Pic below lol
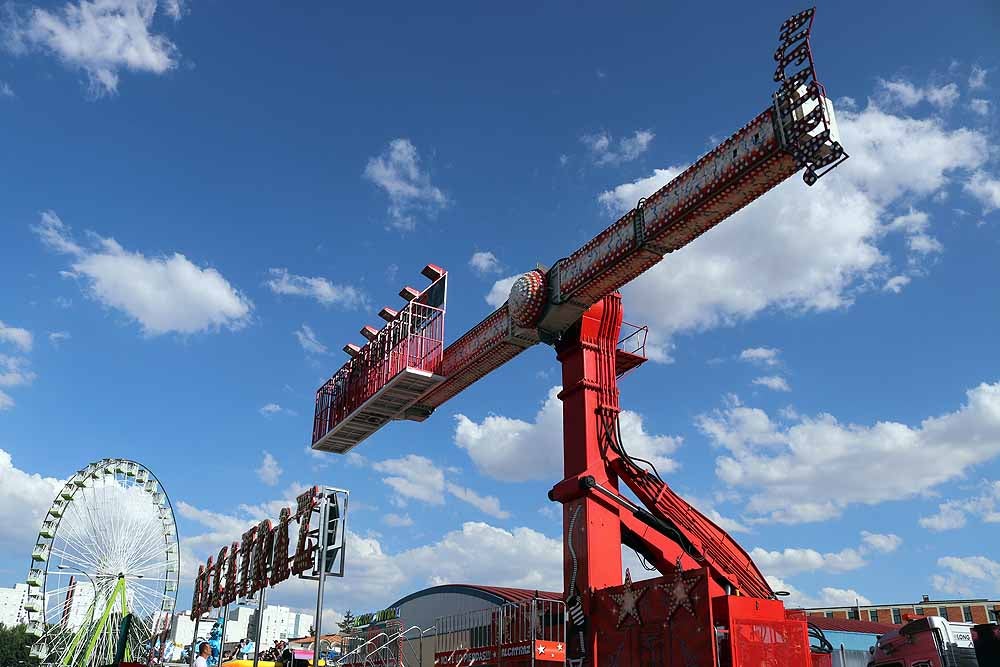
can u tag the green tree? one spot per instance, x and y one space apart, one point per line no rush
15 646
346 627
346 624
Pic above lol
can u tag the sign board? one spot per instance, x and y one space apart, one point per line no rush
267 554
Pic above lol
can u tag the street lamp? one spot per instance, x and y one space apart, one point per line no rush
67 568
63 566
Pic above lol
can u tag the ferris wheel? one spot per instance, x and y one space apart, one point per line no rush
105 568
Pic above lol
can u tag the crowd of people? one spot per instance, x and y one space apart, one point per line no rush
244 651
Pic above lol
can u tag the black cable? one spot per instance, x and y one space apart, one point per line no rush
619 448
642 561
618 426
824 644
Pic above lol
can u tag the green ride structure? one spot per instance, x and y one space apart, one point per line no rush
104 571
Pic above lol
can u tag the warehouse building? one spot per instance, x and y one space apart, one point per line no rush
979 610
447 611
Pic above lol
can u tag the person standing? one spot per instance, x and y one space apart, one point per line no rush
204 650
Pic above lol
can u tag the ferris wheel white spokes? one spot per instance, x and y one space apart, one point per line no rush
107 550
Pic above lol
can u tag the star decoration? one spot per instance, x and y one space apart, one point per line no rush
541 650
628 600
678 591
559 648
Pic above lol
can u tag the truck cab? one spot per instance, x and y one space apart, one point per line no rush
932 641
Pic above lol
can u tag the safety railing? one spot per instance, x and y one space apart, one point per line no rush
633 339
508 634
388 649
413 339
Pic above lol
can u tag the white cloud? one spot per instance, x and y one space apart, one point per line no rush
980 106
14 371
795 561
786 468
397 520
99 37
606 151
501 290
707 507
625 196
953 513
481 553
884 543
896 284
484 262
417 477
271 409
773 382
515 450
269 471
801 249
551 511
24 500
913 225
486 504
414 476
318 288
948 517
397 171
16 336
908 95
163 294
968 576
986 189
827 597
764 356
174 8
6 90
977 78
57 337
307 339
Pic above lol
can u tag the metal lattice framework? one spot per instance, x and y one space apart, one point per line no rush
105 567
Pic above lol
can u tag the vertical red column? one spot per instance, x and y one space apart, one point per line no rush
591 523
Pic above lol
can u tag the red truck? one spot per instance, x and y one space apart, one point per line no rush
932 641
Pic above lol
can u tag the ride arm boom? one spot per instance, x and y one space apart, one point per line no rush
742 168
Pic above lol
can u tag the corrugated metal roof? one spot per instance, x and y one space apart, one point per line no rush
515 594
849 625
494 594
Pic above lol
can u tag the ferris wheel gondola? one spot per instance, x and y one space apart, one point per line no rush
105 567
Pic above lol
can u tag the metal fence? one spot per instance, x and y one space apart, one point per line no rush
502 634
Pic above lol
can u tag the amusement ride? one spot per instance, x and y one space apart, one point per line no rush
712 607
104 570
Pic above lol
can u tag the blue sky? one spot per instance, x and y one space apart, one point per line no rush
203 206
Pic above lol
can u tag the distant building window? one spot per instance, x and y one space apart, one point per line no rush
853 614
920 611
829 614
944 613
994 617
967 612
896 616
873 615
